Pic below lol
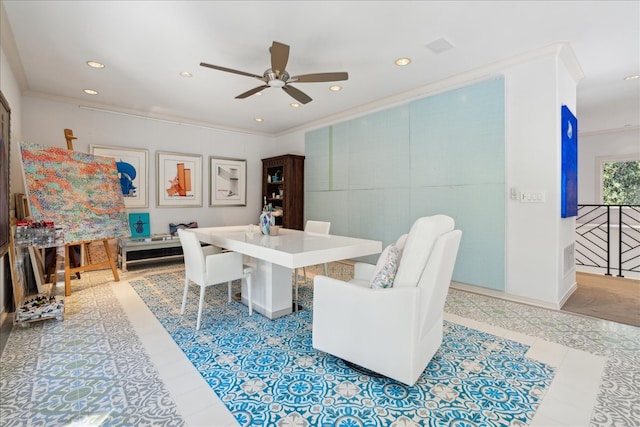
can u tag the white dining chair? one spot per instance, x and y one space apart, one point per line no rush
312 227
210 266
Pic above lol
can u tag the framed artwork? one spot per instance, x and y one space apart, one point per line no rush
569 173
22 206
179 180
140 225
5 119
132 165
228 182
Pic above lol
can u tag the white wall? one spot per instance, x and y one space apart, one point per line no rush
45 120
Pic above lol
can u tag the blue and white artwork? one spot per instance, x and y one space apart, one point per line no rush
132 173
569 175
127 173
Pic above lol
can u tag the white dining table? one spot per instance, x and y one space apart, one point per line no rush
273 258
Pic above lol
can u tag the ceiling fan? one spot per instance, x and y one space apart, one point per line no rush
278 77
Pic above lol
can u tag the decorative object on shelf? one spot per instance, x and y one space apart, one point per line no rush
267 220
140 225
173 228
179 182
132 171
228 182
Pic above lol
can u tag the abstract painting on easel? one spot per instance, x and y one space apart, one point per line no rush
79 192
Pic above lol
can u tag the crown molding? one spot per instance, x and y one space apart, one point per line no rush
487 72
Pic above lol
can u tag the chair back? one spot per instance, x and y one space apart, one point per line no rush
418 246
194 264
318 227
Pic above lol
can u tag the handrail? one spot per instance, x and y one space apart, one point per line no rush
594 238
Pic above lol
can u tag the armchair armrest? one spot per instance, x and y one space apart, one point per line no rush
370 313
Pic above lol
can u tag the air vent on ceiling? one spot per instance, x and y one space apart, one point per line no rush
440 45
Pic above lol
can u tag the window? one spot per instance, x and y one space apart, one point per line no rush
620 181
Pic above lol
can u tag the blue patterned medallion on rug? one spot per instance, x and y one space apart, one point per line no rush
267 372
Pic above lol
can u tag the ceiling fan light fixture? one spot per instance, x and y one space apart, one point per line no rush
90 91
278 77
401 62
185 74
632 77
277 83
259 119
335 88
294 104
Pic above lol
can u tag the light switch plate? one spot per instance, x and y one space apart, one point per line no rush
533 197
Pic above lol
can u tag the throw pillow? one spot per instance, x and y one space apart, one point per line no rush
386 268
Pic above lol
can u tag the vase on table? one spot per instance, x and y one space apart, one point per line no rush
266 221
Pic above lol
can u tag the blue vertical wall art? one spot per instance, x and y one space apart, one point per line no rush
569 178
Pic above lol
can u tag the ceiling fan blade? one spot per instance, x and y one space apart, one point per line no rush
279 57
319 77
229 70
297 94
252 91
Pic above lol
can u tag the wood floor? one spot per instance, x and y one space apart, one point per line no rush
606 297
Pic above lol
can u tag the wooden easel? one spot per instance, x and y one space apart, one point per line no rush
68 270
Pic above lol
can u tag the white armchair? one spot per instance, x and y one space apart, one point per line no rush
392 331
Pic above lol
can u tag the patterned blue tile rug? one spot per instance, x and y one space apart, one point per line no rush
267 373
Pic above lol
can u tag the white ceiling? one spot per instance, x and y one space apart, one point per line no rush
146 44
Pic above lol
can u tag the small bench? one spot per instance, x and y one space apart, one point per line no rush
139 251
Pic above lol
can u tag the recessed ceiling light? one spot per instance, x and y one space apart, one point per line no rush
403 61
632 77
294 104
185 74
335 88
90 91
259 119
95 64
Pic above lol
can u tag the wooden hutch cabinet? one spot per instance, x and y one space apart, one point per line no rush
283 187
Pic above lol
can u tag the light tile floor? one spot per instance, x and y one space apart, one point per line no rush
597 362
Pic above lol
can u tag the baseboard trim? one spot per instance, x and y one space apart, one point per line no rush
503 295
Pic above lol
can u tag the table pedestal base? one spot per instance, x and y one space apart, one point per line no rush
272 289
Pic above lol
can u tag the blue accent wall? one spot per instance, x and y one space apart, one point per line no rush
374 175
